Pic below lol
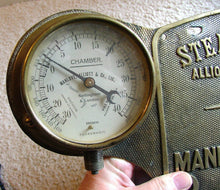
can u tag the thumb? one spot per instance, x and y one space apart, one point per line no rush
173 181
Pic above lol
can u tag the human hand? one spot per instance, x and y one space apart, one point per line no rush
117 174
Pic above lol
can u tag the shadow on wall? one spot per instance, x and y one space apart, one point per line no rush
1 183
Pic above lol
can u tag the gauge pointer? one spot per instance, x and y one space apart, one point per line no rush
89 82
72 72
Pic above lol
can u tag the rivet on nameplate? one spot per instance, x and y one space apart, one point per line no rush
194 30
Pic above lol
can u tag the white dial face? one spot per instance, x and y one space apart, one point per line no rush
87 82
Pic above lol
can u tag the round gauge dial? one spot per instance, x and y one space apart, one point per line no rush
86 81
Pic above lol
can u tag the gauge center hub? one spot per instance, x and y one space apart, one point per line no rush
89 82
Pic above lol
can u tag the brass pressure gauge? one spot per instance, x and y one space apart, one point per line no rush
80 82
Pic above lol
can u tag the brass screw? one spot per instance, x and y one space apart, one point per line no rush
28 121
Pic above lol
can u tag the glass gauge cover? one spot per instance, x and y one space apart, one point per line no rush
86 81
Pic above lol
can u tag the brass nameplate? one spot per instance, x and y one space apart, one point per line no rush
182 131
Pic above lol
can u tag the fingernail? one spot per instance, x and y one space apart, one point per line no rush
182 180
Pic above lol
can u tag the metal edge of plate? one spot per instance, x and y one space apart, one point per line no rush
156 37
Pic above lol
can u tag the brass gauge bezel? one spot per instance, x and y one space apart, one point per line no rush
16 89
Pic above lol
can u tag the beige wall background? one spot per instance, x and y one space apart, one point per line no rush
9 2
25 165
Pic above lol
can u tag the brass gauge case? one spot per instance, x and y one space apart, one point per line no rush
17 89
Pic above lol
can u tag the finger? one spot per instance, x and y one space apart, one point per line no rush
115 175
174 181
124 166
